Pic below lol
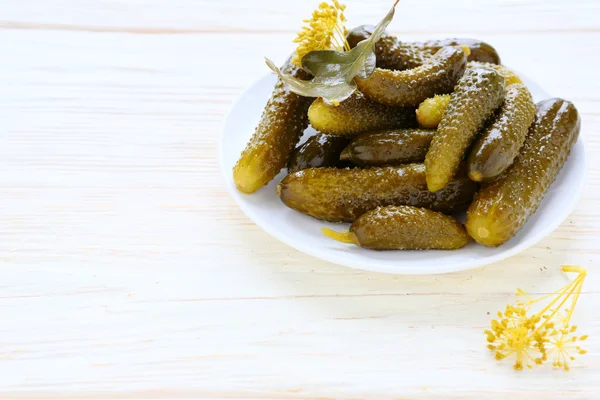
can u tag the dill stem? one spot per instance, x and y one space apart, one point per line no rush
572 289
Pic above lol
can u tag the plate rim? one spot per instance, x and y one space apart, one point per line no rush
282 236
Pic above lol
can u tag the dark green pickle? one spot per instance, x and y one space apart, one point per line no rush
393 54
502 208
509 76
281 125
480 51
477 95
357 114
404 228
395 146
437 75
499 143
342 195
389 51
319 151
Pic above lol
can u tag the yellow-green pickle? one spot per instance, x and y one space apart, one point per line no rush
395 146
342 195
503 207
475 98
357 114
509 76
437 75
431 111
404 228
283 121
319 151
500 142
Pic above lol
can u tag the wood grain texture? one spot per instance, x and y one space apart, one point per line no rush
127 270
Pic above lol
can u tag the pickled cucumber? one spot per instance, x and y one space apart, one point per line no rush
319 151
393 54
342 195
480 51
389 51
437 75
509 76
475 98
396 146
502 207
499 144
404 228
282 123
430 111
357 114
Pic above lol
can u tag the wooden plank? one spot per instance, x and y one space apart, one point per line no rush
129 272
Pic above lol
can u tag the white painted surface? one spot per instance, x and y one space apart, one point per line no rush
127 271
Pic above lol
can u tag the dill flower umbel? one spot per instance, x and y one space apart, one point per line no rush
533 338
325 30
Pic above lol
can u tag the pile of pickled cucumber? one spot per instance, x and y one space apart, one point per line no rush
439 128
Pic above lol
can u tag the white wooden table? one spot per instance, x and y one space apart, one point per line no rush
127 270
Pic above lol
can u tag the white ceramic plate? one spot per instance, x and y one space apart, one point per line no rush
304 233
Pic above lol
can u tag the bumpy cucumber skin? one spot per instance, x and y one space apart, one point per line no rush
475 98
393 54
342 195
357 114
389 51
480 51
509 76
390 147
499 144
319 151
408 228
282 123
437 75
502 208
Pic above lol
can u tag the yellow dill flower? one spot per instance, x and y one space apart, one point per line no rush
514 333
533 338
325 30
563 345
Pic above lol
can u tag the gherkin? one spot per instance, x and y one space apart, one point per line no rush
499 144
501 208
430 111
480 51
404 228
282 123
437 75
357 114
389 51
342 195
475 98
394 54
319 151
394 146
510 77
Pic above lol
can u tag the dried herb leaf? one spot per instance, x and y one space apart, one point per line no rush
334 71
331 89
